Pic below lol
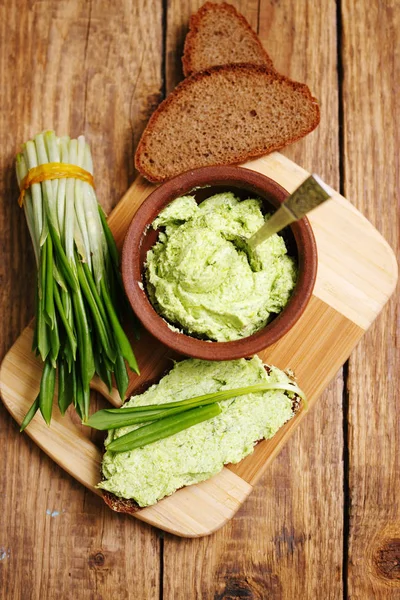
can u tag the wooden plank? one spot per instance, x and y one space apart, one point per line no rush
77 67
280 542
371 71
220 561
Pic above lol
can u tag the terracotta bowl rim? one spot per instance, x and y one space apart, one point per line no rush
243 178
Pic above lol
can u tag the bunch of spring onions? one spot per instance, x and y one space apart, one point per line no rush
77 328
164 420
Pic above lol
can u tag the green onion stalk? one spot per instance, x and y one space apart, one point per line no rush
77 326
164 420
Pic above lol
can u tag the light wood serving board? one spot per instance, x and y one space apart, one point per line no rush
357 273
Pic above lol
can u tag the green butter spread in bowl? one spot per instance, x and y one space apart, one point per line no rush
202 283
190 282
147 474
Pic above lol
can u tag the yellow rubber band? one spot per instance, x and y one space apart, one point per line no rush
52 170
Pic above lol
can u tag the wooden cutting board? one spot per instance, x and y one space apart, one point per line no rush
357 273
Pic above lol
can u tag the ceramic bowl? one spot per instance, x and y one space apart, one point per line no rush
205 182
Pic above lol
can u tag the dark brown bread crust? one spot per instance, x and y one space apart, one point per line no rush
122 505
195 24
184 87
129 506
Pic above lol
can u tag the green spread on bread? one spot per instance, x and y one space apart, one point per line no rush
147 474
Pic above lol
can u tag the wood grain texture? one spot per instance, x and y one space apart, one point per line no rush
273 545
283 543
371 72
77 67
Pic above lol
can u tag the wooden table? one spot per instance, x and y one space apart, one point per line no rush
324 522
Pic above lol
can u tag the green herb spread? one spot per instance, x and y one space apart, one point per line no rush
148 474
198 279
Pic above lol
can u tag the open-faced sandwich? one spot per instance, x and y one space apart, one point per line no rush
210 414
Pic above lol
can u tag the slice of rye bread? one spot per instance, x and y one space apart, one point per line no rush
219 35
129 506
224 115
